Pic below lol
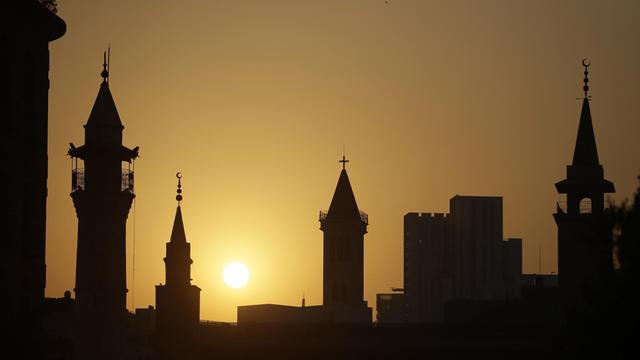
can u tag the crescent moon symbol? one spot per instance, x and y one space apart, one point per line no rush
586 63
179 175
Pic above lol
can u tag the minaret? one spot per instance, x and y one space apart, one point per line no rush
584 234
102 194
177 302
344 227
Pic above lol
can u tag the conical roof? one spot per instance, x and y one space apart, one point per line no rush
343 205
586 152
177 234
104 112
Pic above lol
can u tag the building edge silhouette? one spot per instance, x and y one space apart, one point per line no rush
28 29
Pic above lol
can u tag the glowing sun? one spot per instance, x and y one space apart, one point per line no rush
236 275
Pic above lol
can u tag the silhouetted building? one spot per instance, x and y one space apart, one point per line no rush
535 310
27 29
584 232
102 194
390 308
58 327
141 333
427 267
458 255
177 301
344 226
282 314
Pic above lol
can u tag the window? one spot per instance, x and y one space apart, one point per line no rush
585 206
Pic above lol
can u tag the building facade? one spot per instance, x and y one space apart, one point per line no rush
102 193
458 255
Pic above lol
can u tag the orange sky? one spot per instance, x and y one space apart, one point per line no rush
254 100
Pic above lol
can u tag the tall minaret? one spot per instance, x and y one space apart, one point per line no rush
178 301
102 194
344 227
584 234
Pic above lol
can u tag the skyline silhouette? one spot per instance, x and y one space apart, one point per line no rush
255 147
264 150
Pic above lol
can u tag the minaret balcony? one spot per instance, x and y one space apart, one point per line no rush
127 180
584 207
77 180
364 217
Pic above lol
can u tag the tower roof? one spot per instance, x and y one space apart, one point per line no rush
343 205
177 233
104 112
585 174
586 152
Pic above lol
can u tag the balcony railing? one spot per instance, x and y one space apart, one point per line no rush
127 180
584 207
562 205
363 216
77 180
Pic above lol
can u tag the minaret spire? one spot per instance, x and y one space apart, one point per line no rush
177 233
586 152
179 191
586 63
105 67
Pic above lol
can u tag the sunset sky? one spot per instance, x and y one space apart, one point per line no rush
253 102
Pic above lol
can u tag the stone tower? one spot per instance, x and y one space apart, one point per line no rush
178 301
102 194
344 227
584 232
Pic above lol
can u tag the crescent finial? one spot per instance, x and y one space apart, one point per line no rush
179 175
586 63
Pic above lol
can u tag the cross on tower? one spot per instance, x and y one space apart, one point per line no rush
344 162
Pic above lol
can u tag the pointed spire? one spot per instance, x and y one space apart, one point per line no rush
343 205
177 233
104 112
586 152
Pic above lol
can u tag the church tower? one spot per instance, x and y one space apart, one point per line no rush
102 194
178 301
584 233
344 227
